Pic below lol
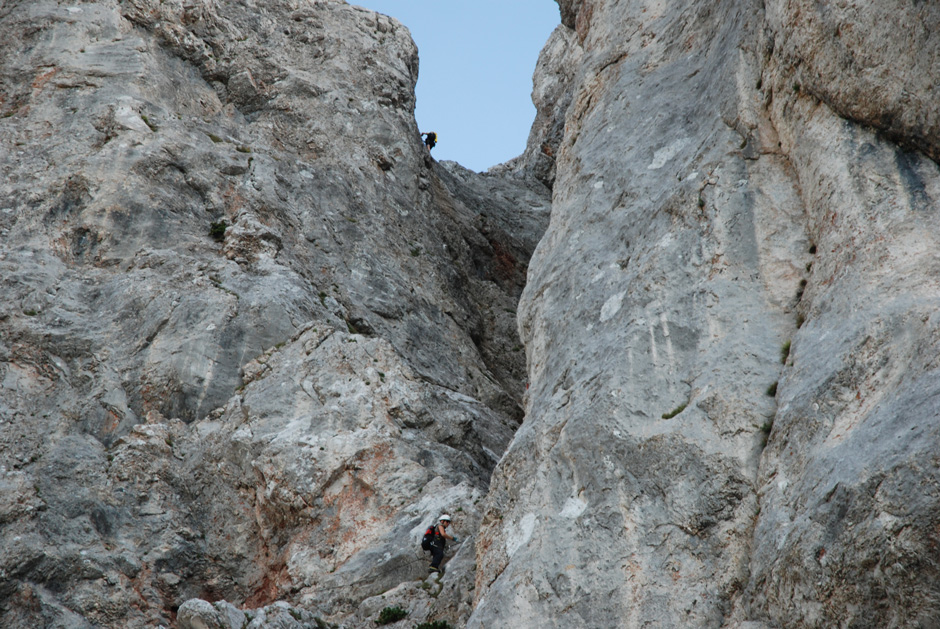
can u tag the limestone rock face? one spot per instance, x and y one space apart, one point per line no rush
551 93
876 65
252 337
729 328
849 482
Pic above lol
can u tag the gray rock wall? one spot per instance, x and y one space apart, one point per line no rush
849 482
728 329
724 414
653 318
272 413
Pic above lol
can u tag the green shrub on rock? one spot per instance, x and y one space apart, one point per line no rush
217 230
437 624
391 614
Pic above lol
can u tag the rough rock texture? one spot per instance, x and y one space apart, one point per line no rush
551 93
741 254
199 614
729 385
850 482
274 412
873 64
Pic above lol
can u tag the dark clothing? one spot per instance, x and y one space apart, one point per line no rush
437 552
431 140
438 544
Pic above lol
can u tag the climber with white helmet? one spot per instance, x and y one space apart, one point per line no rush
439 542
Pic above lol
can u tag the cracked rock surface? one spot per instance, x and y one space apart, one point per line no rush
729 326
252 337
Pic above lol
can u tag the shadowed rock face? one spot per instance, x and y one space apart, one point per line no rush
273 410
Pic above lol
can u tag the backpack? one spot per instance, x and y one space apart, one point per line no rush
428 538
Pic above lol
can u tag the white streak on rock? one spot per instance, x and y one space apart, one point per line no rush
520 535
573 508
665 154
612 306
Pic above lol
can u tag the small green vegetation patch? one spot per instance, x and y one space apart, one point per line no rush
390 614
765 429
217 230
772 390
674 412
437 624
785 352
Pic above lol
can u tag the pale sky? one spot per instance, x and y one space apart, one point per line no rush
475 79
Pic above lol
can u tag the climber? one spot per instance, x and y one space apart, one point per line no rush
439 543
430 141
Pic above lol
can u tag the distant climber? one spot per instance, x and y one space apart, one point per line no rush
430 141
439 542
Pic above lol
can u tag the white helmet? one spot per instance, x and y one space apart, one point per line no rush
444 518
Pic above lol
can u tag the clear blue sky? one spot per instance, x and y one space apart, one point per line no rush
475 80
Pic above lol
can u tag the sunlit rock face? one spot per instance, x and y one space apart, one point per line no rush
252 337
730 327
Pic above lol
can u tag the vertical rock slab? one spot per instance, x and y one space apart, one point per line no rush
654 314
850 483
730 328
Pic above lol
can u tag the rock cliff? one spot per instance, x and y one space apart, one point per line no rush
730 326
253 338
